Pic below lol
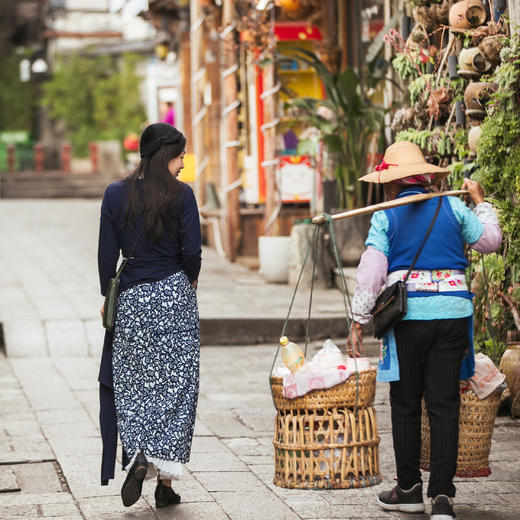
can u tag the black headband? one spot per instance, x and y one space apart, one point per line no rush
158 134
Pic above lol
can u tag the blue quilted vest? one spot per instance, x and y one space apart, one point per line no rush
407 227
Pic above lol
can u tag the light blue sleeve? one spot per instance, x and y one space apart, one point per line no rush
377 235
472 228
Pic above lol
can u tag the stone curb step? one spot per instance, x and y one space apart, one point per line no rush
75 337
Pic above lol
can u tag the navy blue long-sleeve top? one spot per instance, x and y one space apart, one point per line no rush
150 262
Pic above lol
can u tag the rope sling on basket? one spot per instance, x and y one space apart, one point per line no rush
326 439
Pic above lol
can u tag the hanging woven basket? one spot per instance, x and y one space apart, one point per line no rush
357 391
328 448
476 421
326 439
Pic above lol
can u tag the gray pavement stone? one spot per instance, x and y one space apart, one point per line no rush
15 304
95 334
15 499
38 478
66 337
24 337
201 430
215 462
208 445
74 517
44 386
254 504
59 510
247 446
231 427
8 480
52 417
19 511
192 511
228 481
109 507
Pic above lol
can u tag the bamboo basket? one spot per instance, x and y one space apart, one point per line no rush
330 448
476 421
342 395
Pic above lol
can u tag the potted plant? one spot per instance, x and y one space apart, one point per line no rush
345 120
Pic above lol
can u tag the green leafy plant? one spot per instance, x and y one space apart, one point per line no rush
432 142
96 97
405 66
498 157
492 316
345 120
16 97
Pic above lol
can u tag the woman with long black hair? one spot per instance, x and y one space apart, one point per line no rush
150 366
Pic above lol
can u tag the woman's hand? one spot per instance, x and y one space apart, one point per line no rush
195 283
103 311
475 190
355 340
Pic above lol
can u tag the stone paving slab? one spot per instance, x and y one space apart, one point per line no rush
257 504
8 480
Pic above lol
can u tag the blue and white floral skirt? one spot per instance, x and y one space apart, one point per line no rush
156 371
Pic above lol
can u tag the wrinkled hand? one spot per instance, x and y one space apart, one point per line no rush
475 190
355 340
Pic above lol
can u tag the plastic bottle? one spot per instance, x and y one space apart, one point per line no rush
292 355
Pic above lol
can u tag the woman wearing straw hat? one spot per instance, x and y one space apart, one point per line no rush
432 339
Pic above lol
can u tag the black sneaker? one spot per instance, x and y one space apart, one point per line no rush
397 499
442 508
165 496
133 484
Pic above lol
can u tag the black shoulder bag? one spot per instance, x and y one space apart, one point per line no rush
109 314
390 306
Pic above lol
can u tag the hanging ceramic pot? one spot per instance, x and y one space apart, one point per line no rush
472 63
490 48
426 16
510 366
442 10
467 14
473 137
476 96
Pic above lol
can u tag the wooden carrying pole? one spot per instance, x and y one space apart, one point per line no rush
320 219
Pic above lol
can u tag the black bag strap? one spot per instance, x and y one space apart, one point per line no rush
125 261
425 239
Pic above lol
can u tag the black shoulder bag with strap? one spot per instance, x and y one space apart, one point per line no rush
390 306
109 314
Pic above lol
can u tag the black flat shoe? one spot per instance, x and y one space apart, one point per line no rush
165 496
133 485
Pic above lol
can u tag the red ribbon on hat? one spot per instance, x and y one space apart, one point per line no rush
384 166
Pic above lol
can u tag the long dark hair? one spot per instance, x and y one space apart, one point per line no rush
158 198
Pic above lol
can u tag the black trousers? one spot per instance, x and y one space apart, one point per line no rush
430 356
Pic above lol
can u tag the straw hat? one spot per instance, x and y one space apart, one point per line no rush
403 159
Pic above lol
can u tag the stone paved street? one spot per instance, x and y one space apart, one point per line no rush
49 437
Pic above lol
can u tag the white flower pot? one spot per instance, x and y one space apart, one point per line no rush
273 255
